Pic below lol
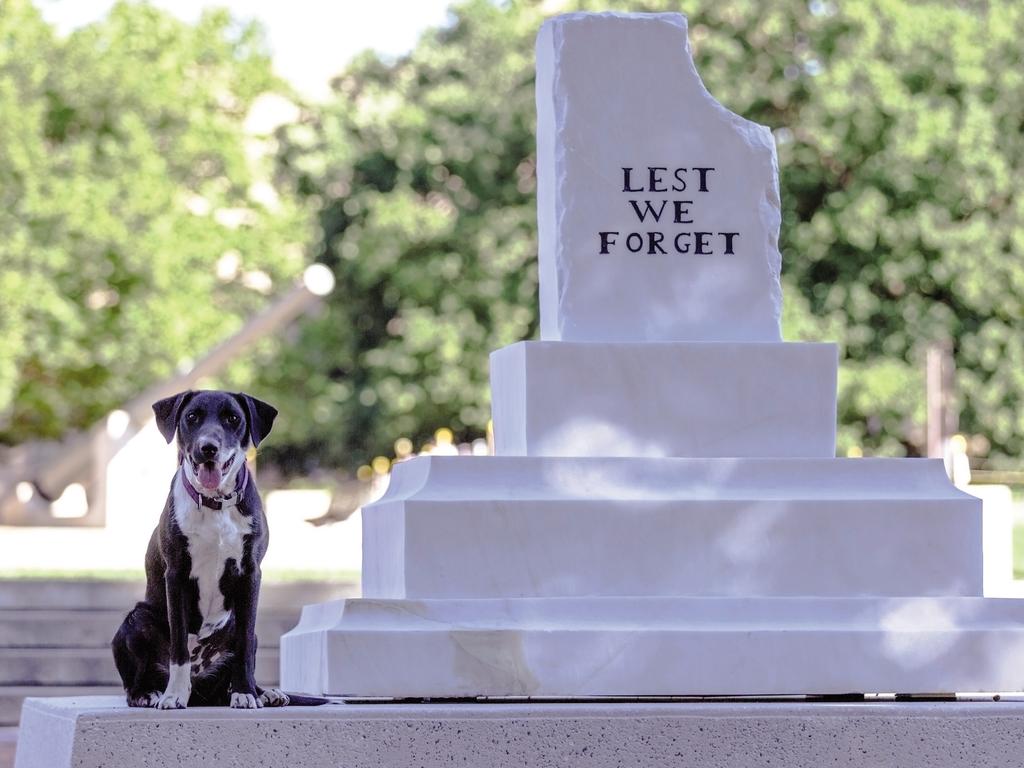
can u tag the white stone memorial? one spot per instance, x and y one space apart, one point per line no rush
665 515
658 209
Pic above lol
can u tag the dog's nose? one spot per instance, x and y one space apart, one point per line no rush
209 450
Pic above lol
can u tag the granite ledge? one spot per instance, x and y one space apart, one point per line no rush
101 731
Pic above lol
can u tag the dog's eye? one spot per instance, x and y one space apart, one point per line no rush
192 417
233 419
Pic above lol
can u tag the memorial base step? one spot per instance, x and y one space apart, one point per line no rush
101 732
571 647
551 398
457 527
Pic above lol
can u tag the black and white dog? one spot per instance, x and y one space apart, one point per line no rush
192 641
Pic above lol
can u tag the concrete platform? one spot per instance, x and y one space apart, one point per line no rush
100 732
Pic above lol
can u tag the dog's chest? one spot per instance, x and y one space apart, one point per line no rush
214 537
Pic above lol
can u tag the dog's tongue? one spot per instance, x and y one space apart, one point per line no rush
209 475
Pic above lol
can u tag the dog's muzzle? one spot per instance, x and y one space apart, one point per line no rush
214 502
211 473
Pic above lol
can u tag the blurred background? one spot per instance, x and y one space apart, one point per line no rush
331 206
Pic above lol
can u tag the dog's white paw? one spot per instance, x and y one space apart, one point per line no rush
145 700
179 686
172 701
245 701
274 697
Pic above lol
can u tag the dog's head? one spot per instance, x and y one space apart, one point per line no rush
214 431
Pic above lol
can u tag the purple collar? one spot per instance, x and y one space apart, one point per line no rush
241 481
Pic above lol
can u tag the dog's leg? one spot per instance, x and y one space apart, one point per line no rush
243 681
179 683
140 649
128 667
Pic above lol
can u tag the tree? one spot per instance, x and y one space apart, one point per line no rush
900 137
424 171
137 227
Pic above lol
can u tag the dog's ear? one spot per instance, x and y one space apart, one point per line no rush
260 416
167 411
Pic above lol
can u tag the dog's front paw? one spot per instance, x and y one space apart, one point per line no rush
179 687
274 697
245 701
172 701
150 699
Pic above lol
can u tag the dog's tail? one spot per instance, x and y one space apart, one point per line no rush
298 700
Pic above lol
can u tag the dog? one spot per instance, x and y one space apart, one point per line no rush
192 640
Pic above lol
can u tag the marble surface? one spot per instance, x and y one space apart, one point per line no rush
664 399
101 733
567 647
701 185
572 527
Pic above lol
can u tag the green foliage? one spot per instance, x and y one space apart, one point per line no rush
906 226
900 139
424 171
126 174
124 178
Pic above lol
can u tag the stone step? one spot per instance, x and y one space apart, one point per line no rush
52 628
8 744
683 548
646 646
78 594
89 666
12 696
515 478
102 731
492 527
121 595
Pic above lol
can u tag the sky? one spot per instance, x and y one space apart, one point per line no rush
310 40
